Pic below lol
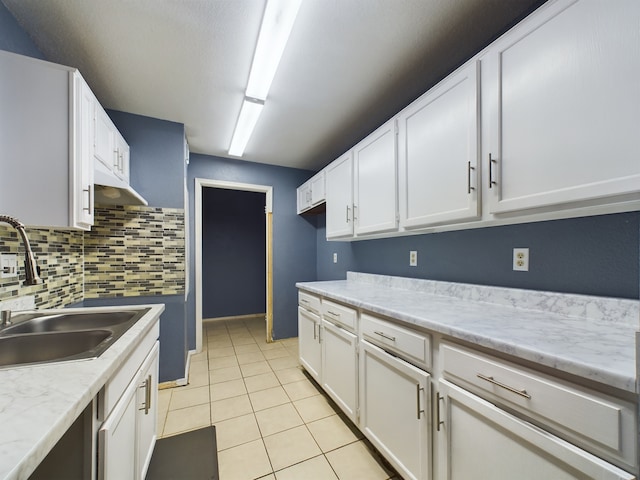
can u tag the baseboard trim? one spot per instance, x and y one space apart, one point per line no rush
234 317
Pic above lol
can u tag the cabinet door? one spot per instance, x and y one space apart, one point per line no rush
375 206
304 197
340 367
317 189
104 138
117 439
309 342
438 153
147 411
339 190
476 439
395 409
82 158
566 117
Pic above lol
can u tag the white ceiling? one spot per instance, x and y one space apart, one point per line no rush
349 65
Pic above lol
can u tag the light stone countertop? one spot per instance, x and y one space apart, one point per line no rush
39 403
591 337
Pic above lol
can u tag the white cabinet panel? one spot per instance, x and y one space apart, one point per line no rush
44 132
310 350
375 206
147 412
395 411
104 140
339 190
438 152
566 117
483 441
117 439
340 367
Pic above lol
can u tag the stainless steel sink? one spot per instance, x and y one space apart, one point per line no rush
43 337
65 322
47 347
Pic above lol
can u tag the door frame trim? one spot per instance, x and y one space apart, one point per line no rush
201 183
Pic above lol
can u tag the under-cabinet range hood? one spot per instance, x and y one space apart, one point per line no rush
110 190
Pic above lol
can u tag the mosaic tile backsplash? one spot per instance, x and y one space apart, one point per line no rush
135 251
59 254
130 251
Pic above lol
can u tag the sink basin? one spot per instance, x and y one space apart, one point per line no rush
46 347
71 321
43 337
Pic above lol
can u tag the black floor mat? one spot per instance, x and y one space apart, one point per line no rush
188 456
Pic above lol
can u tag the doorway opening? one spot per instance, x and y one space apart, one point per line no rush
201 196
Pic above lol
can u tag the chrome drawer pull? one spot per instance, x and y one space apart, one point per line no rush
333 314
393 339
418 409
522 393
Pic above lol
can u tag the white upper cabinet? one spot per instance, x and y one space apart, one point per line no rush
312 192
375 207
339 178
46 166
565 108
111 151
438 152
82 159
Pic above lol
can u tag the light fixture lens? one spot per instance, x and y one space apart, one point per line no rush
279 16
249 114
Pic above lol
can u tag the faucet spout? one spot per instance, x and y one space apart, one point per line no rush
31 270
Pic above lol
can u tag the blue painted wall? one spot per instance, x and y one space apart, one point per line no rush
157 171
294 237
13 38
233 253
157 157
597 255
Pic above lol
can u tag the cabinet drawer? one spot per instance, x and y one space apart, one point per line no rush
116 386
603 424
339 314
309 302
413 346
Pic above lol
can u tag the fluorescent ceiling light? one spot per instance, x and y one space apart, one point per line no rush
249 113
279 16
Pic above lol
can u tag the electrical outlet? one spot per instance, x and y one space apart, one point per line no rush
413 258
8 265
521 259
335 258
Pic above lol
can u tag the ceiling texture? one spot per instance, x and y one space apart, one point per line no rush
349 66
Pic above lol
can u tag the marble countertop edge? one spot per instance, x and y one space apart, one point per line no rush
538 348
65 388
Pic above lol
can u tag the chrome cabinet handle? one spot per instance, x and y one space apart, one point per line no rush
88 207
147 395
418 409
522 392
333 314
314 330
383 335
491 162
438 421
469 187
348 219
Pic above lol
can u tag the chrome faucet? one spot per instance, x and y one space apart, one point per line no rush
31 270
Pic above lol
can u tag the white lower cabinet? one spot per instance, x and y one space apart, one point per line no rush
479 440
310 350
395 411
340 367
127 436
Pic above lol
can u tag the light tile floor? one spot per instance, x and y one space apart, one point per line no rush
272 422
